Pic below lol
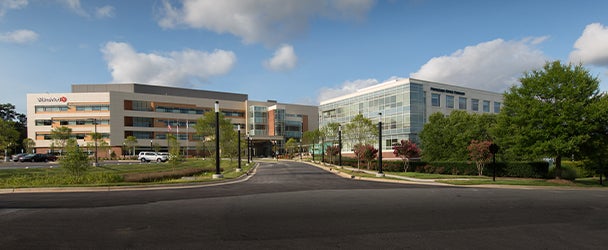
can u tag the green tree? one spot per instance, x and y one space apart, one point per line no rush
312 138
360 130
175 157
130 142
28 145
365 152
75 161
291 146
8 135
205 128
447 137
61 135
549 115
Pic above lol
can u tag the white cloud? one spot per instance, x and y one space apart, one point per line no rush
346 88
19 36
592 46
6 5
104 12
178 68
267 21
495 65
74 6
99 12
284 59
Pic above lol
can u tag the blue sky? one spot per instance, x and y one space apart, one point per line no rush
292 51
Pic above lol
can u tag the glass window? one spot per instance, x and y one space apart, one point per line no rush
475 104
449 101
435 100
497 107
462 103
486 106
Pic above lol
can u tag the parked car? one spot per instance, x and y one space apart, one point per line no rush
50 157
33 158
16 157
151 156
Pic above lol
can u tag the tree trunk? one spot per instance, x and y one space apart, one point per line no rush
558 167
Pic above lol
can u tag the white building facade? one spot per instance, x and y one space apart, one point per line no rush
404 106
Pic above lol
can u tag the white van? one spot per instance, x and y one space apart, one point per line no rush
151 156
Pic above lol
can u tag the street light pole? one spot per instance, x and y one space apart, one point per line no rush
340 145
96 136
248 149
380 173
238 169
217 174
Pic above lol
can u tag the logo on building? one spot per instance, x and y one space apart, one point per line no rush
53 99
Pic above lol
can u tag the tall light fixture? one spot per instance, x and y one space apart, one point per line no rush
239 169
95 124
380 173
340 145
217 174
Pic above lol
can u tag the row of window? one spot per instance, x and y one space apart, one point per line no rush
65 108
450 102
47 122
78 136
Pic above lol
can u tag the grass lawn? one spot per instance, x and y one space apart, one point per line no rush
115 175
436 176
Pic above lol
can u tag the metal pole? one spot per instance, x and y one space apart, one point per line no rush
95 124
380 173
248 149
217 174
239 147
340 145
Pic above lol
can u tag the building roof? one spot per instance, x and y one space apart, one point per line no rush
157 90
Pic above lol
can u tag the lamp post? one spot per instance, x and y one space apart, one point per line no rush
96 136
380 173
300 144
238 169
248 148
340 145
217 174
151 148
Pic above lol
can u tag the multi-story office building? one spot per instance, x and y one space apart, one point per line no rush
150 113
404 106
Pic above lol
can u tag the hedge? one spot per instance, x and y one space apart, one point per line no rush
504 169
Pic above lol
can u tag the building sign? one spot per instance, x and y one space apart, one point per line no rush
52 99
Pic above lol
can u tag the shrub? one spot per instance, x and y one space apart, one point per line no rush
568 173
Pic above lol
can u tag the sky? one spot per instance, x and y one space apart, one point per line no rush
292 51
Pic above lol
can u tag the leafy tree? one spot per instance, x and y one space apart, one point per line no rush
291 145
331 152
479 151
8 135
360 130
175 157
595 151
549 114
28 145
75 160
61 135
205 127
130 142
312 137
328 133
406 150
365 152
447 137
8 113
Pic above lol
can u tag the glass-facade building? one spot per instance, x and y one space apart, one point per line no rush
404 106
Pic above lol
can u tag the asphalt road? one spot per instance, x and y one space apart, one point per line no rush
293 205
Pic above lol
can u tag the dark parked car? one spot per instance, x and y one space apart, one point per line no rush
16 157
50 157
33 158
